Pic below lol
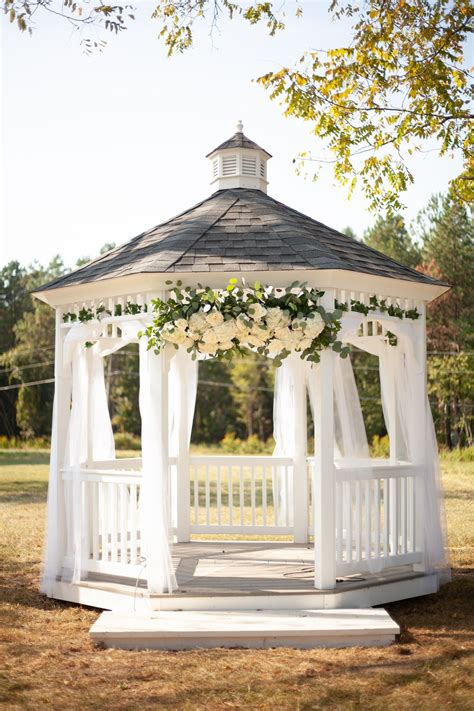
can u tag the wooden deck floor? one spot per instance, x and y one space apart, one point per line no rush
223 568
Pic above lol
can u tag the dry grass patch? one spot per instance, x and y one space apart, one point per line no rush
50 662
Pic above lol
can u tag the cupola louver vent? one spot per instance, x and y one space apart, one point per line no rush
249 166
229 166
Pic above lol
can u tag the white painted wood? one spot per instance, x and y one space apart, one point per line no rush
300 469
232 628
183 501
324 279
419 417
324 480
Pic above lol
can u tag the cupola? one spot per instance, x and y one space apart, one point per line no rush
239 163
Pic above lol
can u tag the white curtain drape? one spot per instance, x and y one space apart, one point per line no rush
183 375
289 382
400 368
155 489
89 437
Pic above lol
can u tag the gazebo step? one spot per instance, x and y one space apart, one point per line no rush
259 629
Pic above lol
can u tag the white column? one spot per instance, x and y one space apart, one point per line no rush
419 445
183 503
56 535
324 490
300 470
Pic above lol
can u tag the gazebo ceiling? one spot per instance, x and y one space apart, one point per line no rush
239 230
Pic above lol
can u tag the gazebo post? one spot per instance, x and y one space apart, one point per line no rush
300 471
183 502
62 394
420 398
324 489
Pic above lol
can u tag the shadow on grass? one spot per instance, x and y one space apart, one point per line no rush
9 457
23 491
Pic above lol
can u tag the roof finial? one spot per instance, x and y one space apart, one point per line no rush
240 126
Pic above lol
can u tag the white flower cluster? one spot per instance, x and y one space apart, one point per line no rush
268 328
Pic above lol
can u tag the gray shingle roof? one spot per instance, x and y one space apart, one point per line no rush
239 140
239 230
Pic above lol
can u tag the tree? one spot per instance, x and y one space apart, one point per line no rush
253 378
78 14
349 232
446 229
214 416
390 236
399 83
30 352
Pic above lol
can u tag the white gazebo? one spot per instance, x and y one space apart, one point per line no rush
329 529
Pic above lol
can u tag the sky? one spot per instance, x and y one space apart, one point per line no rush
98 148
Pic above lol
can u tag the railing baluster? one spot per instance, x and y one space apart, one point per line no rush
377 518
358 521
123 524
349 522
133 524
219 494
230 495
195 493
241 494
339 540
252 492
287 497
368 520
207 495
264 494
386 518
95 521
404 515
105 521
113 522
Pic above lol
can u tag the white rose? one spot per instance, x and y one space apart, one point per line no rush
257 311
259 332
187 343
194 335
305 343
207 348
314 324
174 336
242 324
214 318
277 318
225 346
275 347
181 324
226 331
209 336
283 334
254 341
197 322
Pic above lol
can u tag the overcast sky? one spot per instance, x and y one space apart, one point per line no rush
97 149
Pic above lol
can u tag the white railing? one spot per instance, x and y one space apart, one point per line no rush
376 521
375 508
110 497
237 494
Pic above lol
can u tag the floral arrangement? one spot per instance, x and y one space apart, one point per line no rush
224 322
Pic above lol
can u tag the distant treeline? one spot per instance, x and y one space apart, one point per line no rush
236 398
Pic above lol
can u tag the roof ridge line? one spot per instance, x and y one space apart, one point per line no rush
191 246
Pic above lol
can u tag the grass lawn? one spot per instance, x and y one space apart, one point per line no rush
50 663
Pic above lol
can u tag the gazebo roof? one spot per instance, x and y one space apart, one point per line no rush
238 140
239 230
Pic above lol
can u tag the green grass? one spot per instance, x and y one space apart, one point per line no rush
50 663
